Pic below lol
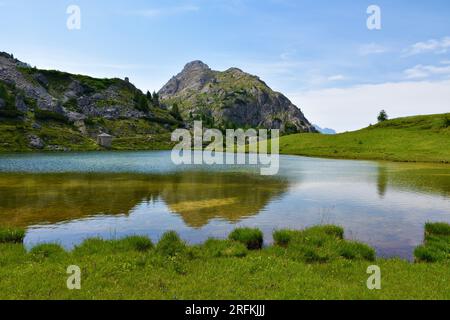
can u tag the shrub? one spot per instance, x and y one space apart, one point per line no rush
47 250
12 235
170 244
49 115
252 238
383 116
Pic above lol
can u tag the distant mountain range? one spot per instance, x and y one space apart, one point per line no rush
54 110
324 130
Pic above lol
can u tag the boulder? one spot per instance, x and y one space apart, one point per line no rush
35 142
20 104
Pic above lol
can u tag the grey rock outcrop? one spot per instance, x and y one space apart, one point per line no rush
232 97
35 142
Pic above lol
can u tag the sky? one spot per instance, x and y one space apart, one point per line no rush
320 54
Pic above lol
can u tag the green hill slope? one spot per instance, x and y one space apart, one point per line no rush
57 111
412 139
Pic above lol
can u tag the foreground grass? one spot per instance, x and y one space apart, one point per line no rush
412 139
316 263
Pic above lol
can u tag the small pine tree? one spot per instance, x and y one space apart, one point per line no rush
155 99
175 112
141 102
3 92
383 116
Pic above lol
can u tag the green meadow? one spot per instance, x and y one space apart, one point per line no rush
316 263
411 139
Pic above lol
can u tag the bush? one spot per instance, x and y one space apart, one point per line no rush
224 248
251 238
170 244
47 250
383 116
12 235
49 115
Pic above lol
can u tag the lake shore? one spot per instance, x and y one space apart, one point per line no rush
316 263
412 139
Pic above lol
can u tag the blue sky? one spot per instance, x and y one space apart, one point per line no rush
319 53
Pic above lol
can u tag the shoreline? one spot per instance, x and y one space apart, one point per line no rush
328 157
306 264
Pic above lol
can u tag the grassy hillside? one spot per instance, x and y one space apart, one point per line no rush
130 134
312 264
49 110
412 139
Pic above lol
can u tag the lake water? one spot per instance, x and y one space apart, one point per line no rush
65 198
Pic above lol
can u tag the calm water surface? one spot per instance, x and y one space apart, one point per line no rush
66 198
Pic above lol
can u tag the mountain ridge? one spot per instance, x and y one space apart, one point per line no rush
54 110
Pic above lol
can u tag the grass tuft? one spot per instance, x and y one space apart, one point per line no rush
137 243
356 251
437 243
47 250
12 235
282 238
328 230
171 245
252 238
224 248
439 229
97 245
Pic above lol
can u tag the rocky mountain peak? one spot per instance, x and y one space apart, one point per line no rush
231 98
194 77
196 65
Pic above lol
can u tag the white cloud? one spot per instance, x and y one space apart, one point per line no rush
438 46
372 48
356 107
337 77
421 71
166 11
287 55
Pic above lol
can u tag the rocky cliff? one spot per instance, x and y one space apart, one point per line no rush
53 110
231 98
